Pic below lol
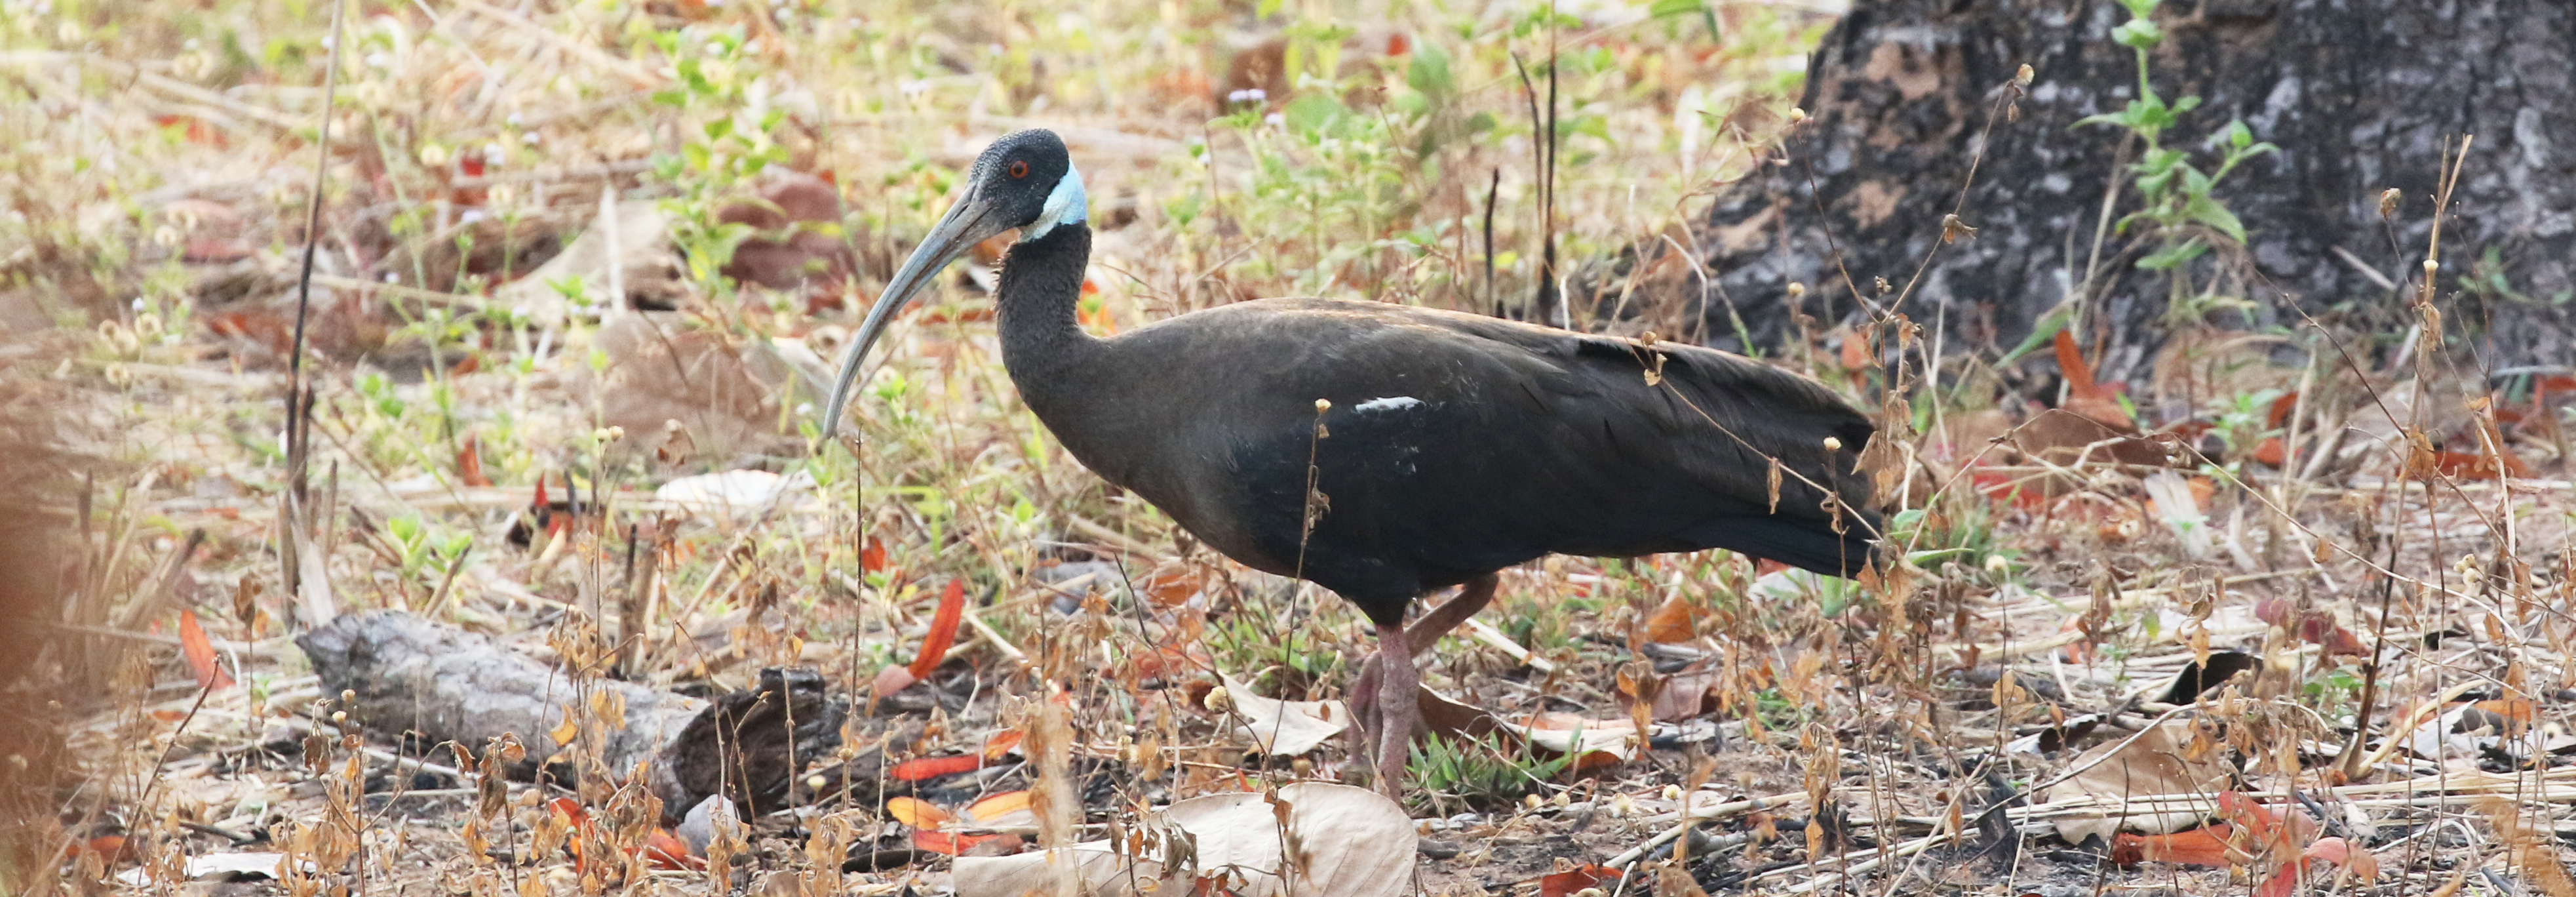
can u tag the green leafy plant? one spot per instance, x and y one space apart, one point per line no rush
732 140
2179 201
1485 772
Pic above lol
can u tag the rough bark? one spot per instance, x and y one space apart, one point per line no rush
431 684
2361 95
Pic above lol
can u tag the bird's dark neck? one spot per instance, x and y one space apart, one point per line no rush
1037 301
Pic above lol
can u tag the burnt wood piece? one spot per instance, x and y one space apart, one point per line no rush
2360 95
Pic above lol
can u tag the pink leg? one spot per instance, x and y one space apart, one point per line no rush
1398 711
1388 715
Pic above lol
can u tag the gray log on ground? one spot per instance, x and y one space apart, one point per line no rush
427 684
436 684
2360 95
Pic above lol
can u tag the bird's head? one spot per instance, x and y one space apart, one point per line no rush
1024 181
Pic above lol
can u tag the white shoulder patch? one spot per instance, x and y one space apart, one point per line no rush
1397 403
1065 205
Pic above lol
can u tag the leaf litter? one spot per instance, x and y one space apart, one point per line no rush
2384 550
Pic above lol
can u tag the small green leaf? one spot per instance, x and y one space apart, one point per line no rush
1429 72
1662 8
2138 34
2173 256
1312 113
2041 332
2208 211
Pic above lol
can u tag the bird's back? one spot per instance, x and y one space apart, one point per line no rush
1457 444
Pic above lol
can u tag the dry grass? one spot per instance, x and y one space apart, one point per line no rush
160 158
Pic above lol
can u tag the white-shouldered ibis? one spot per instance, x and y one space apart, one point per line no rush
1456 445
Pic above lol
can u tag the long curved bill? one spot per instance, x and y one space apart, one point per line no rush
962 227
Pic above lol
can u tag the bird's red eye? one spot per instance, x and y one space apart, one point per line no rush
1019 168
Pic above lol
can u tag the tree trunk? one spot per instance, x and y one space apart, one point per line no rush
2360 96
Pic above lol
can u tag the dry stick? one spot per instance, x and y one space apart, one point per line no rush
305 573
1492 190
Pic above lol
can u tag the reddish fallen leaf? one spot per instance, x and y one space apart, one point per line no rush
2083 395
956 844
2271 452
872 556
1169 662
665 850
2205 846
201 653
943 630
2479 465
113 849
2281 408
1565 883
2328 851
2315 627
469 463
934 767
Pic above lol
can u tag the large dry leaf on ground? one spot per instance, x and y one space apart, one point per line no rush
646 265
2158 762
1285 728
738 493
725 392
1352 843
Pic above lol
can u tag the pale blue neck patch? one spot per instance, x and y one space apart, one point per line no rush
1066 205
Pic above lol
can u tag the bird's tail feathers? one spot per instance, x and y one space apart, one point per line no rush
1805 544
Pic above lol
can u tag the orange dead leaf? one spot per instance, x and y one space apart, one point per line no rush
2480 466
200 653
872 556
114 849
943 630
1002 743
2206 846
2272 452
991 809
1855 353
918 813
1672 622
665 850
1565 883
